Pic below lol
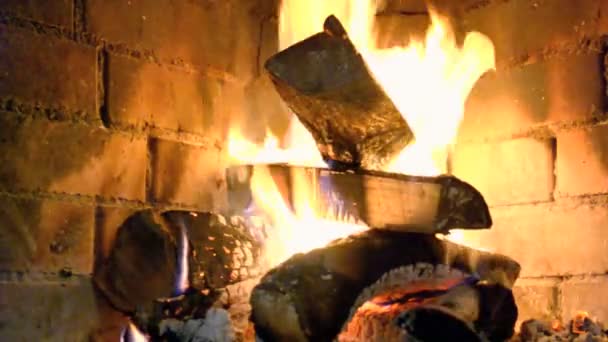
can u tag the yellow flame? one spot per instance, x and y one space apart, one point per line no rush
132 334
429 84
428 81
301 229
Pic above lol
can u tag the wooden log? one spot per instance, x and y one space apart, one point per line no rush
143 262
222 251
464 313
325 82
381 200
311 296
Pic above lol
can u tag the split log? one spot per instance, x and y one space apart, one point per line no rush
381 200
142 265
314 294
325 82
222 251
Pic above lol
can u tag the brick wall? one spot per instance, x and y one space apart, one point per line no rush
533 141
107 107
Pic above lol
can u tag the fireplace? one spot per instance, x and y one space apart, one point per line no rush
116 113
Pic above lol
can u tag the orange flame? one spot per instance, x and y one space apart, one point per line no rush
428 81
578 322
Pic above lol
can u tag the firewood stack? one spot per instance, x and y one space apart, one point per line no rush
397 280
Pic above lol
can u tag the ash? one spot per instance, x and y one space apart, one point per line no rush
215 327
580 329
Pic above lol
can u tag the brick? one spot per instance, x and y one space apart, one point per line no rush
582 162
269 43
585 294
107 222
549 23
549 239
397 30
603 17
557 90
507 172
186 174
65 72
141 94
109 325
221 34
57 12
45 235
421 6
50 310
263 110
402 6
69 158
536 298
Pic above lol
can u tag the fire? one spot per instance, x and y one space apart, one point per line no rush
132 334
428 81
298 230
579 322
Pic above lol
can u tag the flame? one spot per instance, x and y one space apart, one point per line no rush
579 322
556 325
300 229
132 334
181 276
428 81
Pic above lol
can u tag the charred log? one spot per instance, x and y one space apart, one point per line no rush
143 253
313 293
325 82
480 312
143 262
396 292
380 199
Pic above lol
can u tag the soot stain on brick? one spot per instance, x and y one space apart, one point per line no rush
37 153
169 164
599 142
16 238
44 234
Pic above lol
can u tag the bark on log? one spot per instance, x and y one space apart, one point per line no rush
313 293
142 265
325 82
380 199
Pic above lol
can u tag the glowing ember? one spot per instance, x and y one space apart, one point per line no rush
428 81
556 325
580 322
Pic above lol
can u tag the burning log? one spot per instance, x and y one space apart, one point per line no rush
381 200
316 293
464 313
325 82
143 264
